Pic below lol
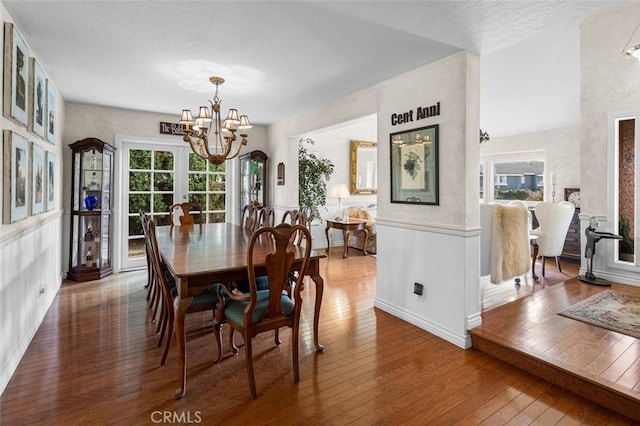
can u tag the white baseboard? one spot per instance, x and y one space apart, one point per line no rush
461 340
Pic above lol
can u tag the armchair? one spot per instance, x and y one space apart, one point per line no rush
356 239
554 220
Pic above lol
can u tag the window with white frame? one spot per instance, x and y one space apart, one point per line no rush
516 176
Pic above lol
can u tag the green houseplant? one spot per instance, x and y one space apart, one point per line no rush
313 174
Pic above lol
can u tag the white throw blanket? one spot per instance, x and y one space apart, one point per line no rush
510 243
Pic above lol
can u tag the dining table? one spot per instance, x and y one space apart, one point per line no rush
201 255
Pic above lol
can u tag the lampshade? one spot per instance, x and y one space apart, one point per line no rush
204 114
186 118
244 122
339 190
233 116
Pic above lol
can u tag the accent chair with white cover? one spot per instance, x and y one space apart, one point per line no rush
554 221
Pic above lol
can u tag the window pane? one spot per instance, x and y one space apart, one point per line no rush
197 182
163 181
163 160
135 226
519 180
139 201
139 181
161 202
139 159
196 163
626 188
217 183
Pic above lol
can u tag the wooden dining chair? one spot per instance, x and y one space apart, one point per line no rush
294 217
154 297
249 216
257 310
266 216
206 300
185 213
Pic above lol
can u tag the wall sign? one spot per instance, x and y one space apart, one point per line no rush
417 114
171 128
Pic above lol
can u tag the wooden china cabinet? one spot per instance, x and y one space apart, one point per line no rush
91 242
253 178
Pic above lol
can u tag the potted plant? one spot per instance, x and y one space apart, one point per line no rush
313 174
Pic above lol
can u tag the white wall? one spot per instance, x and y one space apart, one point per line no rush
411 238
30 254
114 124
333 143
561 149
610 85
437 246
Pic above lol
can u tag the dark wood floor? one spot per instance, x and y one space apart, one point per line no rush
94 361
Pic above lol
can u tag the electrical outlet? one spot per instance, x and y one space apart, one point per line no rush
418 289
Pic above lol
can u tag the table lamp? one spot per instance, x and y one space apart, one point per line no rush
339 191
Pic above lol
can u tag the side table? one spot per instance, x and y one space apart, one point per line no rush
346 227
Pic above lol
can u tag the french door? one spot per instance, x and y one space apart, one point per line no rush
155 176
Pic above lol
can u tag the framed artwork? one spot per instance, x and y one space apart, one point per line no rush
16 177
16 75
51 113
51 174
37 93
37 177
414 166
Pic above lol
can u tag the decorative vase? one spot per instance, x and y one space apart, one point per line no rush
90 202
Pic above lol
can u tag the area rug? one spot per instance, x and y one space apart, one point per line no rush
611 310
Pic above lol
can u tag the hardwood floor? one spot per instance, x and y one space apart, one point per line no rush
94 361
601 365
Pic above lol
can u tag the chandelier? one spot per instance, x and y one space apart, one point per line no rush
208 125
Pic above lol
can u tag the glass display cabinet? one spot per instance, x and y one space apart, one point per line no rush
253 178
91 202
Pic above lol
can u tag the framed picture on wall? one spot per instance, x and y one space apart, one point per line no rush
51 174
37 99
16 177
37 177
16 75
51 113
414 166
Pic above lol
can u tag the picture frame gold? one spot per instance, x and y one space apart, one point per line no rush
363 177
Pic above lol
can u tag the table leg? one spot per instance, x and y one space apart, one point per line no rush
319 282
366 239
533 262
326 233
345 235
180 306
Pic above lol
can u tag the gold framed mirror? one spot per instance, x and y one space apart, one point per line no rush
364 168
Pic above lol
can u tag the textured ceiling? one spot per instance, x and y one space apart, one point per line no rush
278 58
